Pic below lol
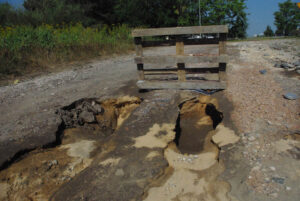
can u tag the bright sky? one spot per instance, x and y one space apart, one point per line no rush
260 13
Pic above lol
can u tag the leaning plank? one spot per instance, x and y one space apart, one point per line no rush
180 59
144 84
180 30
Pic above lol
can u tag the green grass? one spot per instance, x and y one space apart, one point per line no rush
25 47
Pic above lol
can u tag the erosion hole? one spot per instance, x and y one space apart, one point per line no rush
85 125
195 120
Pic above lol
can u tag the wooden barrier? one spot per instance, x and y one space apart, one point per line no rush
180 60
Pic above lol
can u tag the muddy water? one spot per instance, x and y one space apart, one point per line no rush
193 164
40 173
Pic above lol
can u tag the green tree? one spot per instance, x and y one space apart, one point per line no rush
287 19
8 15
231 12
268 31
154 13
164 13
54 12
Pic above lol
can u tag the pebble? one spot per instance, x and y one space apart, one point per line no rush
288 188
278 180
51 164
290 96
272 168
251 138
263 71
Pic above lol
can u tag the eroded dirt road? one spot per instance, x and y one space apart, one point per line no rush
109 142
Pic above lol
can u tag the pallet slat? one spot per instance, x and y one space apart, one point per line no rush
187 70
186 42
180 30
197 85
180 59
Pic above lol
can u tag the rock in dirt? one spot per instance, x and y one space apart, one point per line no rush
286 65
297 63
277 65
283 64
87 117
290 96
263 71
278 180
80 112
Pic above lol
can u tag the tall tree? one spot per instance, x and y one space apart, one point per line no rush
268 31
231 12
53 12
287 19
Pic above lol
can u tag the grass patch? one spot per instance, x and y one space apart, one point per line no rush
24 47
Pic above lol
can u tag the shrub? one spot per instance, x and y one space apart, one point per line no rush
24 46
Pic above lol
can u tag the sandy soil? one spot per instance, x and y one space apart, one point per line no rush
157 150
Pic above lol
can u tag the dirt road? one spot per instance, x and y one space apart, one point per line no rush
131 155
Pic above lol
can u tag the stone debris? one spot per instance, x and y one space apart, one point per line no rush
259 124
81 113
263 71
51 164
278 180
87 117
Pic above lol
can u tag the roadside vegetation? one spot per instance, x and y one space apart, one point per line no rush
26 47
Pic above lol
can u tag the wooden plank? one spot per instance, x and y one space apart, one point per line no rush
179 48
222 44
206 76
180 30
171 60
174 72
180 66
140 68
138 46
185 41
181 72
145 84
222 72
163 71
222 50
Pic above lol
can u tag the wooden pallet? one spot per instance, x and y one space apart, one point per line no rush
180 59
